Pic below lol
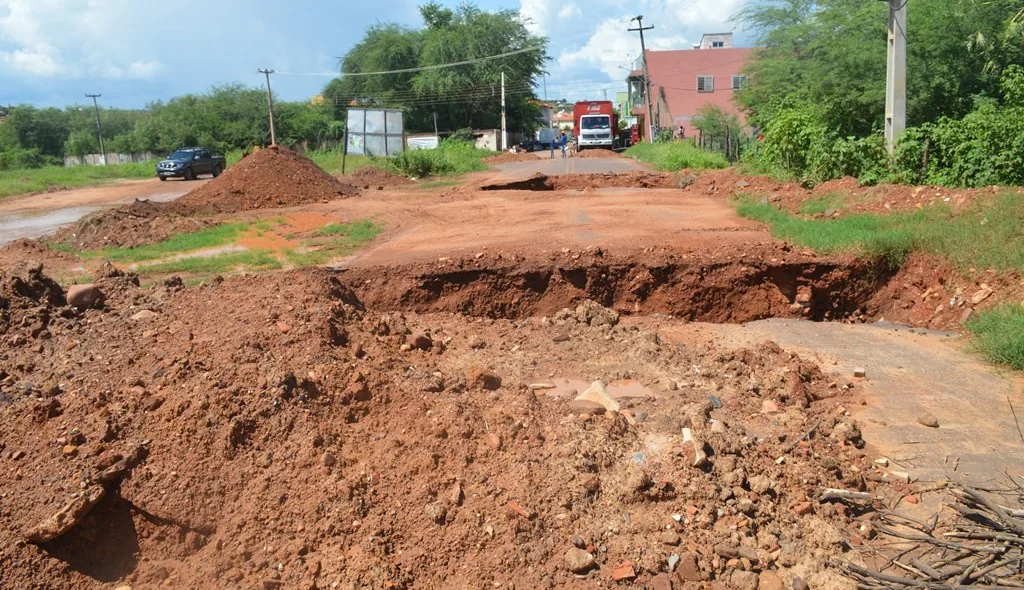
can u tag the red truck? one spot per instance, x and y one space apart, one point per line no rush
596 125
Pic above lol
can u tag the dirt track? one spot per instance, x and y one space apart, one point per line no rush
407 420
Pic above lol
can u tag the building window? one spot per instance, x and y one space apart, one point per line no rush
705 83
718 44
739 81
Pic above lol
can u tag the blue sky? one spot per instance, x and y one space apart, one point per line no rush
136 51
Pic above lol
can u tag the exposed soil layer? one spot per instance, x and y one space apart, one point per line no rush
372 177
597 153
21 250
141 222
510 158
271 431
270 178
543 182
698 289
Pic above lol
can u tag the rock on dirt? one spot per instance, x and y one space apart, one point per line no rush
482 379
578 560
928 420
769 580
87 296
270 178
598 394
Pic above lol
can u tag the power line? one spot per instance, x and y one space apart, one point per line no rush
419 69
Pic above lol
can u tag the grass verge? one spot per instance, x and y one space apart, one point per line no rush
989 235
676 155
50 178
221 263
999 334
819 206
212 237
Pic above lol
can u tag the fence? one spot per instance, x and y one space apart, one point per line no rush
112 158
730 145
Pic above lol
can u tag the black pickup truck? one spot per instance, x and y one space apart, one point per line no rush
188 163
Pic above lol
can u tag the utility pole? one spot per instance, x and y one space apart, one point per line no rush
504 130
551 132
99 131
647 76
896 75
270 105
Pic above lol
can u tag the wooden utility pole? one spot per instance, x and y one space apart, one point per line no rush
99 131
647 75
270 105
896 75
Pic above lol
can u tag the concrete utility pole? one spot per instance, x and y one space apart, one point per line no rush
551 132
647 76
896 75
99 131
270 105
504 130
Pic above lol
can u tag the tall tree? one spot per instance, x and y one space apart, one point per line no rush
461 96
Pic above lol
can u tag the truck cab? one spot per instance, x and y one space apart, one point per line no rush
596 132
595 125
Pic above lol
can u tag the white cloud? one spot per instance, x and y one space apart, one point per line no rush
50 38
40 60
539 15
568 11
611 48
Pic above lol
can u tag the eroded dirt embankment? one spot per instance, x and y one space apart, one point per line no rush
711 291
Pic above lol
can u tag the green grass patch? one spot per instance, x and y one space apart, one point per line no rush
212 237
989 235
820 205
677 155
360 231
249 260
999 334
437 184
50 178
334 240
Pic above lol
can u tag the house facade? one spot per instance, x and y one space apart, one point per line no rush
684 80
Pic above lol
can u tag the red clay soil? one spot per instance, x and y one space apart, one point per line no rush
271 432
141 222
270 178
597 153
27 249
510 158
636 179
369 177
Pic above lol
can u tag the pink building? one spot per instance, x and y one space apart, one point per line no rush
684 80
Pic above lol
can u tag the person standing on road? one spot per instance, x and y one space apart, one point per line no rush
564 142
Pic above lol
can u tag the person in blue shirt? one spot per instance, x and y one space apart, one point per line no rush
564 142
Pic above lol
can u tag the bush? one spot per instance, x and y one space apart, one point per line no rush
452 156
25 159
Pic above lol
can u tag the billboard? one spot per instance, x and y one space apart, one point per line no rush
374 132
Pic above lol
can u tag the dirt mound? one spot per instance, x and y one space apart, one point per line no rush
597 153
369 177
270 178
510 158
22 250
543 182
141 222
270 431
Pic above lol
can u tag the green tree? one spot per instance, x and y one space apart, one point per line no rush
461 96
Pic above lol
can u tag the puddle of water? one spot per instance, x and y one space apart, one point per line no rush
624 388
15 226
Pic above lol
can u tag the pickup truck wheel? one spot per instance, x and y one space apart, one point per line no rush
189 175
163 178
216 171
